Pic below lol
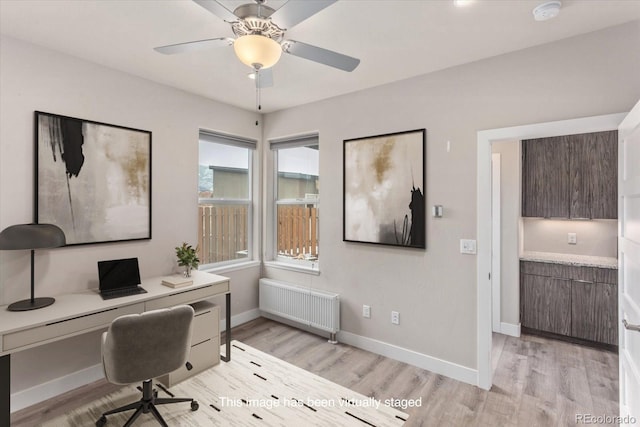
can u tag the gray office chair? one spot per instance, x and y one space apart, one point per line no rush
139 347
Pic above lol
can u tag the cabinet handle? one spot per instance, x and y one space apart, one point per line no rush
630 326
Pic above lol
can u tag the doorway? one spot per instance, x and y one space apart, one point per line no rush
484 216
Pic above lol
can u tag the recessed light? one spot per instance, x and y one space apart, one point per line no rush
547 10
462 3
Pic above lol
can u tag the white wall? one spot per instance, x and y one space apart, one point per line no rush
509 230
594 237
435 290
33 78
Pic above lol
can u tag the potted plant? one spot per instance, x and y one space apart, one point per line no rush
187 258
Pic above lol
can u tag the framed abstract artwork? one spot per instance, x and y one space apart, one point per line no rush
93 180
384 181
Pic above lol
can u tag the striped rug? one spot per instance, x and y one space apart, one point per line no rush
254 389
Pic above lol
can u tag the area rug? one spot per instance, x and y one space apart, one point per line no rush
254 389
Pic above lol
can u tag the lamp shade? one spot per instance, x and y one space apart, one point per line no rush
257 51
31 236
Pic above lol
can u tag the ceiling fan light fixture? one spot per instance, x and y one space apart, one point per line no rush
257 51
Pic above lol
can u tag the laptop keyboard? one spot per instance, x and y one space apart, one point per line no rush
115 293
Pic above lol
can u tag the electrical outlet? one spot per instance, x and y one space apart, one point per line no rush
366 311
395 317
572 238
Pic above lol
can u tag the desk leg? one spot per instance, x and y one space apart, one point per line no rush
227 332
5 390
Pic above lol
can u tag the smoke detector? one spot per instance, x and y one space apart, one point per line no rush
547 10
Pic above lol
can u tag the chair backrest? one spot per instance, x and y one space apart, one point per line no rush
138 347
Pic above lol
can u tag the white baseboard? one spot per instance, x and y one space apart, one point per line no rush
25 398
433 364
510 329
44 391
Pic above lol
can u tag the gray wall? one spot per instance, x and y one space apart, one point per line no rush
594 237
33 78
435 290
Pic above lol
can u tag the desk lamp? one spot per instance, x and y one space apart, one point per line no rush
31 236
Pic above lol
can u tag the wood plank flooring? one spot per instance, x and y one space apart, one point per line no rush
537 381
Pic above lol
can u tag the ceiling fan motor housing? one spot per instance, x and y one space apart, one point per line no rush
254 19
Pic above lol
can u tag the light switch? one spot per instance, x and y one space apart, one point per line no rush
467 246
572 238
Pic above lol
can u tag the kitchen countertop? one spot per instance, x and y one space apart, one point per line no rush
569 259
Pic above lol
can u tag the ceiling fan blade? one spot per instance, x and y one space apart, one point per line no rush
264 78
318 54
217 9
294 12
193 46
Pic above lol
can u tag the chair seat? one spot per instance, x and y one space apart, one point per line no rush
138 347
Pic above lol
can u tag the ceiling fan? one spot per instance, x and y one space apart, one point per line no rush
260 31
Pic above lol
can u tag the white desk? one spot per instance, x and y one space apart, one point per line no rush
79 313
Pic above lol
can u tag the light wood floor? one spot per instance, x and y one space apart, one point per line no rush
537 381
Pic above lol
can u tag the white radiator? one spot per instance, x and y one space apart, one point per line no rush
310 307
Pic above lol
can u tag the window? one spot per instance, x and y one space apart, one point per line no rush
297 194
224 198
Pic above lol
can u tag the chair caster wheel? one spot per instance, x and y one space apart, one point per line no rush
194 406
101 422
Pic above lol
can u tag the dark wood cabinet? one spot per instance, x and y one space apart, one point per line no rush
594 311
545 177
572 176
575 301
547 302
594 175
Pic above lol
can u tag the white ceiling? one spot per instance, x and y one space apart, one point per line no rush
395 39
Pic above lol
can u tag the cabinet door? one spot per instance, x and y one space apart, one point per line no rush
594 311
546 304
594 175
545 177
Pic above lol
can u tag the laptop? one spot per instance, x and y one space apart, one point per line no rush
119 278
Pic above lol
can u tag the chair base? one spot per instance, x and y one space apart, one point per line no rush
145 405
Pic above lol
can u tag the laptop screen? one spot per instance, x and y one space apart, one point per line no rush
118 274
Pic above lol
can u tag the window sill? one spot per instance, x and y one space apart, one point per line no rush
292 267
232 267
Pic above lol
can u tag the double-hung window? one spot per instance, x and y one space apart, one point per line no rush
224 198
297 200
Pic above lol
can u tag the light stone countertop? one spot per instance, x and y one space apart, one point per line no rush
570 259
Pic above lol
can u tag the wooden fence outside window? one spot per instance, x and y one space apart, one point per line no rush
298 231
223 233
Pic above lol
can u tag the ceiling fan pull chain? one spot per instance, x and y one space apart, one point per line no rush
258 101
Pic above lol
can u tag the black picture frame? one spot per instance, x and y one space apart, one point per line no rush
92 179
384 200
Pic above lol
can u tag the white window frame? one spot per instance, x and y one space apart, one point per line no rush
250 145
312 266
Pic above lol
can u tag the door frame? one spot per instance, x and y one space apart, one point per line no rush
496 236
484 234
